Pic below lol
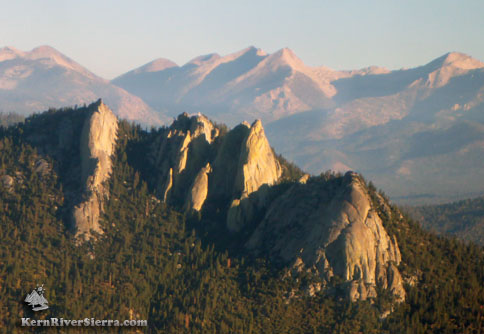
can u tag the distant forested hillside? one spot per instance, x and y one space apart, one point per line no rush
463 219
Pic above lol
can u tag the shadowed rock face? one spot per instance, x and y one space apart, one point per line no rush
196 163
180 156
96 146
257 167
328 229
336 233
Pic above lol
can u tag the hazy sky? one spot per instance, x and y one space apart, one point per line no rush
112 37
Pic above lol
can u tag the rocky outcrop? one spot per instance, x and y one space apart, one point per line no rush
42 167
7 182
168 185
180 153
257 163
395 282
325 227
241 212
303 179
97 145
332 229
257 166
196 162
199 190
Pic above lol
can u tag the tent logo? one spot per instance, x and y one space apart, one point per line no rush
36 299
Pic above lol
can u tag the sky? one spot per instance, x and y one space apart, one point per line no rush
112 37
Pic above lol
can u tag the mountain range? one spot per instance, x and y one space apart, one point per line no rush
44 78
417 133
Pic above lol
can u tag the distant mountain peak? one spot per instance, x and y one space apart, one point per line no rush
48 52
373 70
204 59
44 52
458 60
288 56
440 71
215 58
9 49
24 74
9 52
250 49
461 60
156 65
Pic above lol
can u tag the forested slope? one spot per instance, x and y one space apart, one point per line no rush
462 219
155 262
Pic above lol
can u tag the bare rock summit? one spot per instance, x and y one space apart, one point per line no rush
97 145
332 232
197 160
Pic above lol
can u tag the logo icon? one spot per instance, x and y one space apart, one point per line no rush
36 299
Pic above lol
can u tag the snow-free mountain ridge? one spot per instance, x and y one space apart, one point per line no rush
384 123
42 78
417 133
